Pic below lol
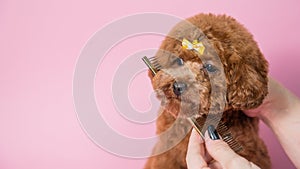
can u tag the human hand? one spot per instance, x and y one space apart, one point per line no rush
278 101
280 111
213 154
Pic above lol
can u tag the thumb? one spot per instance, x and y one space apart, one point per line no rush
221 152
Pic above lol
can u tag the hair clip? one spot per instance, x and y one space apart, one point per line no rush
195 45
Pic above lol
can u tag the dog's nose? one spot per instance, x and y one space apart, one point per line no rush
179 88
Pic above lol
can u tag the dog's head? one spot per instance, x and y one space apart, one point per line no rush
231 71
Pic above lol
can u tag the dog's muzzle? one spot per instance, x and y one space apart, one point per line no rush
179 88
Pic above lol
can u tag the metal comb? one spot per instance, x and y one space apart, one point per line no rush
222 129
152 64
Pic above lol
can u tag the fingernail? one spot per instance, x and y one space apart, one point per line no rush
212 132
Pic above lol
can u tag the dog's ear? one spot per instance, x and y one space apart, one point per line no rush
248 81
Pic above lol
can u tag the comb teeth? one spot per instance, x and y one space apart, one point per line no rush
222 129
152 64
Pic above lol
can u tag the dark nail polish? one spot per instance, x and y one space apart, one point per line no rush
212 132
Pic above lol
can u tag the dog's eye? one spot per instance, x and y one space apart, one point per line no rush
210 68
178 61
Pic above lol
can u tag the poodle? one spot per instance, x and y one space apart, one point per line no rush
225 75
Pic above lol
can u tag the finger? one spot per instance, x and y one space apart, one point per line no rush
221 152
196 142
199 140
195 152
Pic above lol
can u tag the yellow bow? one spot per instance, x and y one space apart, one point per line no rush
195 45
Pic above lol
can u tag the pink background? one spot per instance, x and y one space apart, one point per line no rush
41 40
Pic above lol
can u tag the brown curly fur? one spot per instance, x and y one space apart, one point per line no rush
245 69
